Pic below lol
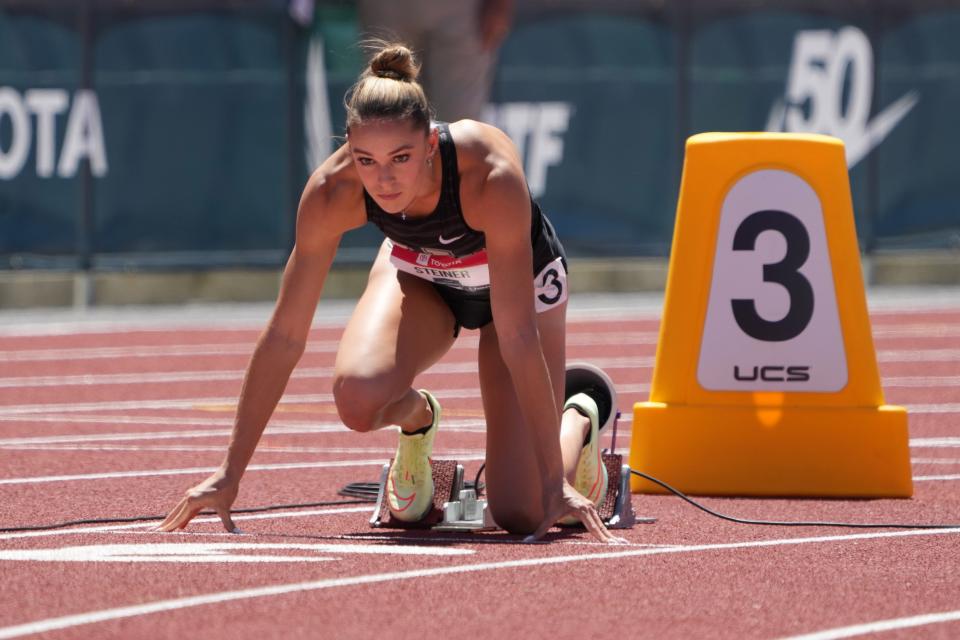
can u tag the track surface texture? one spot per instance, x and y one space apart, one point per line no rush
114 413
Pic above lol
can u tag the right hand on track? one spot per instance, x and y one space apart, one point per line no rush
216 492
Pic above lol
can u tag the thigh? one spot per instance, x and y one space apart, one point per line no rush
512 476
399 328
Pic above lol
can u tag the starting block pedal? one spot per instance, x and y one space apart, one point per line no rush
447 484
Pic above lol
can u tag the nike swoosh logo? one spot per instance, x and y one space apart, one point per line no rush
880 127
449 240
858 146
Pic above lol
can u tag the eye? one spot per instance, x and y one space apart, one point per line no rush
403 157
364 161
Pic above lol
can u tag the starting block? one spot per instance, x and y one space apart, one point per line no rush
457 508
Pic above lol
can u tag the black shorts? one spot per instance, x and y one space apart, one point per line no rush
472 309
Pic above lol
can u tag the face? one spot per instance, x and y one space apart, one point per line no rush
391 158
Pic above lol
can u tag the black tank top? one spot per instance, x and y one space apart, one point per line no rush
442 247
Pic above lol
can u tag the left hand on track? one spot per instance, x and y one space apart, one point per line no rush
571 502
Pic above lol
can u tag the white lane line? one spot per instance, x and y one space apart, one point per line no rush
293 449
932 478
148 351
187 404
574 339
236 375
321 427
67 622
131 528
919 355
920 381
294 426
158 435
151 473
195 404
246 348
112 418
226 375
880 626
215 552
935 330
934 443
167 320
952 407
322 373
388 451
311 428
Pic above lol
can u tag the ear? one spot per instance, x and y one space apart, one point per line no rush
433 140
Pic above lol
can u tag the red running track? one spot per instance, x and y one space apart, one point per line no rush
118 424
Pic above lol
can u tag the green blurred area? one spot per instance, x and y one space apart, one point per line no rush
203 114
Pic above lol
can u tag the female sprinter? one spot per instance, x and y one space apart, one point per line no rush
466 247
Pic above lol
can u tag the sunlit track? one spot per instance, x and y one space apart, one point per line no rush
304 373
120 431
67 622
155 473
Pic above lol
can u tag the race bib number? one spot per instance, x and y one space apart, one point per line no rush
468 273
551 286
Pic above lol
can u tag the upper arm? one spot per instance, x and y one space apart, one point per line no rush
323 215
505 218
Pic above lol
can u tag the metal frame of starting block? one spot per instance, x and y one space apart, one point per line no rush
457 508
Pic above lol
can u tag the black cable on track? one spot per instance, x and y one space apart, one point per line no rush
788 523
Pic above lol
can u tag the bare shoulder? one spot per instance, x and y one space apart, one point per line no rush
482 147
332 201
491 173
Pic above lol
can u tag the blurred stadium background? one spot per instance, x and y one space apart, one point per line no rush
154 150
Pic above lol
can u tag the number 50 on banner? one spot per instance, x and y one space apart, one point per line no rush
765 380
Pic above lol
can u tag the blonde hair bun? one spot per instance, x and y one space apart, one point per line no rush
395 61
388 88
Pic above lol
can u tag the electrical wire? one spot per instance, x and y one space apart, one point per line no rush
787 523
476 481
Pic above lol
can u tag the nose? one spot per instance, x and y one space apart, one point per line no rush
385 176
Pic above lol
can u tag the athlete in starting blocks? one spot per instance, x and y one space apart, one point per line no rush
466 247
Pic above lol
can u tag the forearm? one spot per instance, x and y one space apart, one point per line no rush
531 380
266 378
